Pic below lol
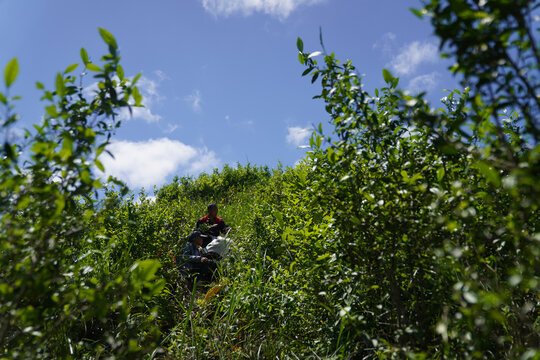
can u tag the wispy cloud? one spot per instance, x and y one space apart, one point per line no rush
385 43
13 133
143 113
412 55
279 8
424 82
148 163
161 75
195 99
297 135
170 128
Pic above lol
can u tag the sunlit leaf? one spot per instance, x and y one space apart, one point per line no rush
108 37
11 71
300 45
84 56
387 76
70 68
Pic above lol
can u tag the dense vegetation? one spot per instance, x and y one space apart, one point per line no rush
407 232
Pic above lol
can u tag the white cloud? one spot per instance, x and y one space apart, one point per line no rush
13 133
161 75
148 89
143 113
424 82
206 160
148 163
170 128
149 198
412 55
385 43
298 135
195 100
279 8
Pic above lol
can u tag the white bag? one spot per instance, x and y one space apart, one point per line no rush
219 246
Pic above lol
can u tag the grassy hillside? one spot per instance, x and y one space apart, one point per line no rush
405 232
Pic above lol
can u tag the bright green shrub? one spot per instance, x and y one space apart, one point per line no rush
60 297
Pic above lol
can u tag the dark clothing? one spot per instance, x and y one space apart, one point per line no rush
190 257
190 260
215 231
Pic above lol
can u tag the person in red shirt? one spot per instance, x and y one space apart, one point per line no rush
214 224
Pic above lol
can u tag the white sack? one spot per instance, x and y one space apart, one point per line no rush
219 245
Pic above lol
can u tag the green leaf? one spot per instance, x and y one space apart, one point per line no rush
135 79
300 45
108 38
3 99
318 141
5 289
84 56
39 130
70 68
489 173
97 184
60 87
145 270
40 86
8 150
155 288
440 174
387 76
368 197
67 146
307 71
404 175
10 120
99 165
418 13
137 96
85 177
100 149
11 71
93 67
120 72
323 257
51 110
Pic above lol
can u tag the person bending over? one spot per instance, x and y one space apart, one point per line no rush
193 258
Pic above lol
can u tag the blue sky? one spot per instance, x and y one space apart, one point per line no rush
221 78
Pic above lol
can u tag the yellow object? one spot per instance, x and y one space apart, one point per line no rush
211 293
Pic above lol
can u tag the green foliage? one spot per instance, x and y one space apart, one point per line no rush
11 71
218 185
60 296
406 232
436 250
496 50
